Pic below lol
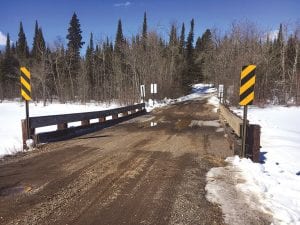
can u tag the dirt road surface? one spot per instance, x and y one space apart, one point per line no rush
149 170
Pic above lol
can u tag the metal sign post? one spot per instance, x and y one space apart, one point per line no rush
143 93
26 94
246 98
244 133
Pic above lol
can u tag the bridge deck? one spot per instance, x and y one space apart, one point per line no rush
132 173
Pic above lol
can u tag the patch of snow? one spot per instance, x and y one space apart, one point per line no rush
220 129
274 186
213 100
202 123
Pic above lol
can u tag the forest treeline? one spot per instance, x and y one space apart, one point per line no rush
113 70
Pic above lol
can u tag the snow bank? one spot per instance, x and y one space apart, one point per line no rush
13 112
274 186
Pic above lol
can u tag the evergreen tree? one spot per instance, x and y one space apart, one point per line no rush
13 49
189 71
73 52
119 38
203 50
22 47
189 44
182 39
198 46
8 72
7 47
89 63
39 45
144 34
35 40
74 36
173 36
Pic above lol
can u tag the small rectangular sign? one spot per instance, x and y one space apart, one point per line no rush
155 88
25 84
247 85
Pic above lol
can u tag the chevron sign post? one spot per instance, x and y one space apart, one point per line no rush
246 97
26 94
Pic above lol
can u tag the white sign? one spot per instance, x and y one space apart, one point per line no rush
153 88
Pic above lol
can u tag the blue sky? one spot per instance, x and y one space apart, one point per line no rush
101 16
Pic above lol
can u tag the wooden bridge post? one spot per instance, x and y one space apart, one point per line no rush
85 123
253 142
62 126
25 134
102 119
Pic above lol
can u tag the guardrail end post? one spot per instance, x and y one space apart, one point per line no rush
253 142
24 133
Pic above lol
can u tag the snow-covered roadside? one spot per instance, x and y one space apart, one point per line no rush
272 187
13 112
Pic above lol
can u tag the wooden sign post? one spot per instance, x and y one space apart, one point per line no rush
246 97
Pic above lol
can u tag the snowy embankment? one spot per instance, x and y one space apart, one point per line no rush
272 187
13 112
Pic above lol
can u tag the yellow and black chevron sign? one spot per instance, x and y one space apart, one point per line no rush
25 84
247 85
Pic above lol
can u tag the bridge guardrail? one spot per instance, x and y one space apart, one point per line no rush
64 132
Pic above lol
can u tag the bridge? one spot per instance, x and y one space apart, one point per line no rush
147 170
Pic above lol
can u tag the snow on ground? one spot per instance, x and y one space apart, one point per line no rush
273 186
13 112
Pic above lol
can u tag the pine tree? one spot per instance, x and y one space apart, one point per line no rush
173 36
189 44
144 34
189 71
7 47
8 72
73 52
22 47
89 63
39 45
35 40
74 36
119 38
182 39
